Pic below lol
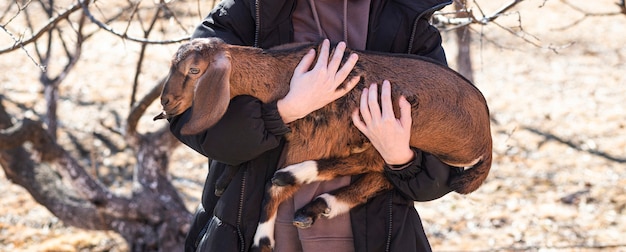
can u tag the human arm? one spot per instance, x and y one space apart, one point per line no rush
247 129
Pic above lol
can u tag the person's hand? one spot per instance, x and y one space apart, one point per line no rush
312 90
389 135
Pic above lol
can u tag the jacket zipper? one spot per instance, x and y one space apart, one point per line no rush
257 22
389 229
431 9
240 211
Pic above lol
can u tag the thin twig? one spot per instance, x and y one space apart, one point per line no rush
588 14
142 53
85 5
470 18
19 41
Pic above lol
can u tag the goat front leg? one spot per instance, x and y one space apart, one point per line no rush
340 201
225 178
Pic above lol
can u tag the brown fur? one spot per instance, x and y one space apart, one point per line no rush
450 116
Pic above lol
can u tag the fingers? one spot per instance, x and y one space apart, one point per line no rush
356 119
322 58
372 101
371 110
347 67
385 99
335 61
405 112
364 107
305 63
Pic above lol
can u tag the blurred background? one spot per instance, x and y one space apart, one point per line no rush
78 146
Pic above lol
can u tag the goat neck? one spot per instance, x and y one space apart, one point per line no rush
263 74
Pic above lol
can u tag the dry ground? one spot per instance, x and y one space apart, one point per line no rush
558 182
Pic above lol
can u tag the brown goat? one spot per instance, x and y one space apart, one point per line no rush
450 120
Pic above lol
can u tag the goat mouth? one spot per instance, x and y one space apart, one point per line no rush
169 112
162 115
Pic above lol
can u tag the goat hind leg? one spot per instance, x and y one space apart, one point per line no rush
341 200
264 236
327 169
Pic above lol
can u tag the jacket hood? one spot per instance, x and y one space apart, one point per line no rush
275 13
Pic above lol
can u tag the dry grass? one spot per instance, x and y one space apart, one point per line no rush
558 182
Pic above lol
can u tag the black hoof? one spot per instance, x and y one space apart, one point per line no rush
264 246
303 220
283 179
306 216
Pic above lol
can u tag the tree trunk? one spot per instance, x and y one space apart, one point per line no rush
152 218
463 37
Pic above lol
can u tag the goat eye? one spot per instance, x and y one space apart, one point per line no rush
194 70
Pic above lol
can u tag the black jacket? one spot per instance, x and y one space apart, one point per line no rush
250 135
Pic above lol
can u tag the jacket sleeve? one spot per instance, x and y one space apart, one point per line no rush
248 128
423 179
231 21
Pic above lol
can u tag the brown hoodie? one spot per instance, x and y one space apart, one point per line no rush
313 20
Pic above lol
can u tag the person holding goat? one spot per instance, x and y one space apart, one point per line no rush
249 138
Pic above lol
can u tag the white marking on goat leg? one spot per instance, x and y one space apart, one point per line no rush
472 164
265 230
305 172
336 207
467 166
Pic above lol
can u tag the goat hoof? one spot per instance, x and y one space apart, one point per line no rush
264 246
303 221
305 217
283 179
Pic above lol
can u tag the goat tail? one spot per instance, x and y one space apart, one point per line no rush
472 178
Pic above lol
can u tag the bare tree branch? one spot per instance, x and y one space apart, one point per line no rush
19 43
463 20
142 53
140 107
85 5
456 22
590 14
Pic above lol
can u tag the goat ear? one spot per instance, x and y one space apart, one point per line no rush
212 95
